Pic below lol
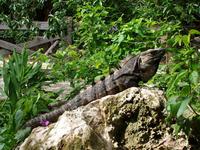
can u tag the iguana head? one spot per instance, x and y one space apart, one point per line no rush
148 63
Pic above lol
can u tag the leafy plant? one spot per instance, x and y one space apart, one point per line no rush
21 13
182 88
19 77
22 85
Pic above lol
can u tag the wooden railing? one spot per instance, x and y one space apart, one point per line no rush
42 25
37 41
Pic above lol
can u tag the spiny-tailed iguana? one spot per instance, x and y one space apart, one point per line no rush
135 69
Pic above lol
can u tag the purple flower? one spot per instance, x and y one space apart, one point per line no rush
44 123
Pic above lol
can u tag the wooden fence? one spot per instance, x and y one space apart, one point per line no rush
38 42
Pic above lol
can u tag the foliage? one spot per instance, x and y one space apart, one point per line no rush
22 85
16 14
95 53
101 50
182 82
23 13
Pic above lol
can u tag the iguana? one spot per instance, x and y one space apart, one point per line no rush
134 69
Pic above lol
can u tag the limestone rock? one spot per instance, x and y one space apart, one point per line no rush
132 119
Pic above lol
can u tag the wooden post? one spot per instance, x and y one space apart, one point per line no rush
69 30
42 25
11 47
51 48
39 41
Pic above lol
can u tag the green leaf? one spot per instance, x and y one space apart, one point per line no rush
18 118
2 146
28 105
2 138
173 105
185 90
176 128
183 106
14 81
193 31
178 39
121 38
6 79
21 134
178 78
183 83
186 40
194 76
34 109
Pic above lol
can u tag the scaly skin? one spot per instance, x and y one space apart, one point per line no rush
139 68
